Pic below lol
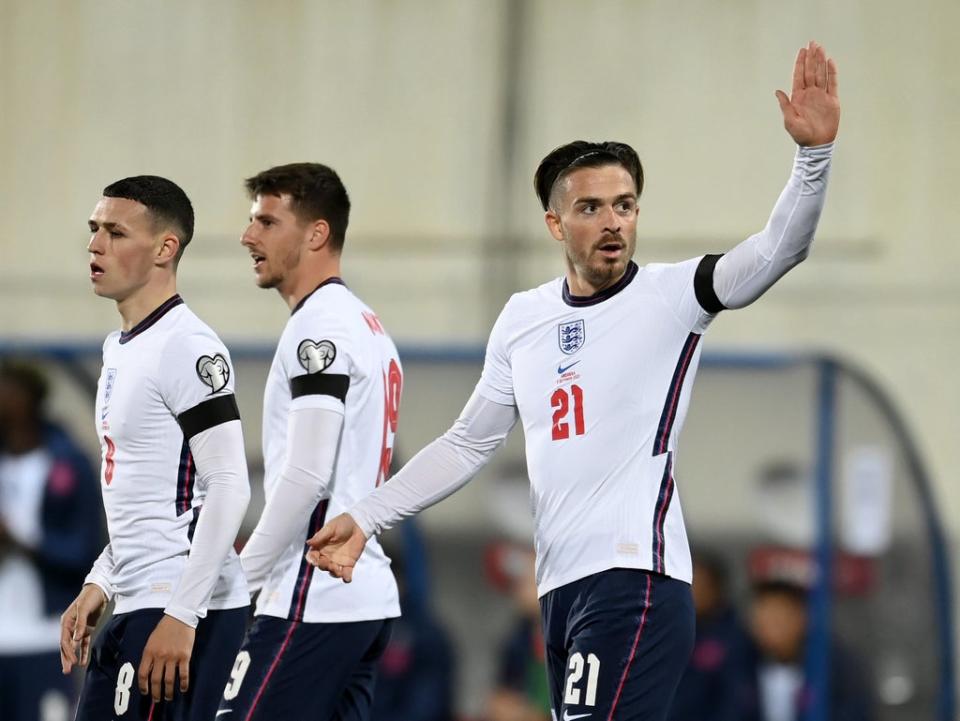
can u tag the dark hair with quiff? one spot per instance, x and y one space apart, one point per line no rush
584 154
316 192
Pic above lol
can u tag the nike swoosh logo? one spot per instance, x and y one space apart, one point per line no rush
563 369
567 716
230 710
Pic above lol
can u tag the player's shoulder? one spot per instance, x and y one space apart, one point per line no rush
191 347
111 341
679 269
530 303
327 310
188 331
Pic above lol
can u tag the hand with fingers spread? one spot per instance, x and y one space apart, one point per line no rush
77 624
812 112
166 655
337 547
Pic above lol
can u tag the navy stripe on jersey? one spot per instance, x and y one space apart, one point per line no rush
660 514
579 301
186 474
302 585
320 384
669 414
191 529
334 280
211 412
703 284
147 322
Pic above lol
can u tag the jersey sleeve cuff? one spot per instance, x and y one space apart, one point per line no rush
96 579
182 614
366 523
815 152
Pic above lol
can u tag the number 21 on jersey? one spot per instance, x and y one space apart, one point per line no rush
560 401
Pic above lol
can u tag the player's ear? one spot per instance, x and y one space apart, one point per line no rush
167 249
553 224
320 234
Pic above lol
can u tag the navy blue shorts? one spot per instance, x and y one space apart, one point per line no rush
292 670
111 690
33 688
617 643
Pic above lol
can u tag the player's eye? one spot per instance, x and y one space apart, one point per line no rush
589 209
625 206
116 234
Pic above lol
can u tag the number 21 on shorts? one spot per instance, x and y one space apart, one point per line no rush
577 693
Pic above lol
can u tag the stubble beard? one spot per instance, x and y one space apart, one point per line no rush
598 271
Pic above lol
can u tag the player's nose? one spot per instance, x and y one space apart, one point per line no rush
95 244
610 219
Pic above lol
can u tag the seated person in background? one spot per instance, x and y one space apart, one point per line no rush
416 672
778 624
50 533
718 683
521 693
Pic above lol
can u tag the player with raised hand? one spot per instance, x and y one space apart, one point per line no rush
330 411
598 365
173 476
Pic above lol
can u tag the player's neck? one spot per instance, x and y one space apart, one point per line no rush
138 305
581 287
303 284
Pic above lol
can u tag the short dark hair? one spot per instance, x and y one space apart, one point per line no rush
164 199
316 192
584 154
27 376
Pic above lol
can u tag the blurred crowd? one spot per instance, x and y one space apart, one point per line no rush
748 662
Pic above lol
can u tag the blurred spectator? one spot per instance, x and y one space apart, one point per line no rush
416 671
718 683
50 534
521 693
778 622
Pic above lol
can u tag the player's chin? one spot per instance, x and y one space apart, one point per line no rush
104 291
611 268
266 281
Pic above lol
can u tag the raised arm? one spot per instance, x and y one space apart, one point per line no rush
437 471
811 116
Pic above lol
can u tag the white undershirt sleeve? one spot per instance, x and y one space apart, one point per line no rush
102 572
752 267
441 468
221 462
313 441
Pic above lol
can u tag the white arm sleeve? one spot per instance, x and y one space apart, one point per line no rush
314 438
441 468
102 571
752 267
222 470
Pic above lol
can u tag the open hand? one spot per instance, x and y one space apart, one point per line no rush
337 546
166 655
77 624
812 112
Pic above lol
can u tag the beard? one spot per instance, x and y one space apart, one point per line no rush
600 272
274 277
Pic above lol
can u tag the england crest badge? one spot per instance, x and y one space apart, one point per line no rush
571 336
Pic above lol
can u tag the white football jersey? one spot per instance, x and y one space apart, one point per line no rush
333 354
602 386
166 379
